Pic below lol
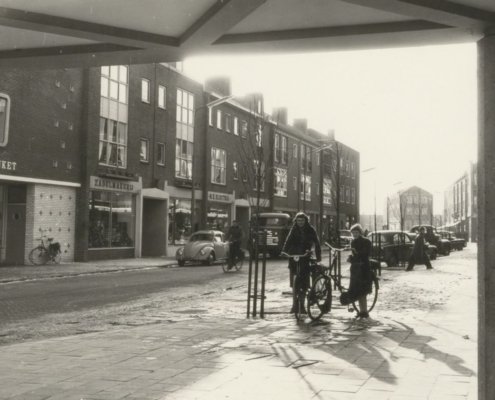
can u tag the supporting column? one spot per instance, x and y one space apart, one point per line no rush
486 225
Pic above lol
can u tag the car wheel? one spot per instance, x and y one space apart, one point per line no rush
181 263
211 258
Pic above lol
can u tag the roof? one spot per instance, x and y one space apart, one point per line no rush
77 33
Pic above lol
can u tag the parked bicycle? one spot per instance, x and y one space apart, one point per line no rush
235 262
46 252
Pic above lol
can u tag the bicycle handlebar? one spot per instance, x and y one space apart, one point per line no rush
336 248
295 255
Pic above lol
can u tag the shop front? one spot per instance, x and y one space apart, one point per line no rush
219 212
112 218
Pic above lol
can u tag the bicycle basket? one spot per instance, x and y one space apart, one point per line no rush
54 248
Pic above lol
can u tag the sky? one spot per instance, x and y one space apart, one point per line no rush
410 112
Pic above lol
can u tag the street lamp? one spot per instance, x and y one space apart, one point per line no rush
374 194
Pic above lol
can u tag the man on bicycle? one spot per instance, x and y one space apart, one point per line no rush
300 240
234 236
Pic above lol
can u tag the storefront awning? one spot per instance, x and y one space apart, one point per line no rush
155 193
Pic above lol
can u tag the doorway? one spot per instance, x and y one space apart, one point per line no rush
154 227
16 224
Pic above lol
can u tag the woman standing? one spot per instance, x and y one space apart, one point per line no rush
361 277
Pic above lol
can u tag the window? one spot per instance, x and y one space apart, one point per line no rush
347 195
309 161
276 153
210 116
285 150
235 171
184 144
219 119
162 97
353 170
144 151
353 196
294 183
342 194
113 116
317 189
280 182
294 150
145 90
4 119
244 173
228 122
305 187
327 191
218 166
259 175
111 219
160 154
236 126
347 168
244 129
259 135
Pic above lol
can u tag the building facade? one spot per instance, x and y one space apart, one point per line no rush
120 161
408 208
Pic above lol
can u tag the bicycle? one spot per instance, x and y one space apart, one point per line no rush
298 294
235 263
333 272
42 254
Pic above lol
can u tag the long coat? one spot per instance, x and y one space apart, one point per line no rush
300 240
419 249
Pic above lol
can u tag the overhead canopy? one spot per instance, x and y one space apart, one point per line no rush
65 33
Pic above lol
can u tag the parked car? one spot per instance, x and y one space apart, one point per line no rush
345 237
276 226
455 242
203 247
393 247
432 237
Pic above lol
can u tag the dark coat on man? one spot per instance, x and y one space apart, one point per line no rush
419 249
235 233
301 240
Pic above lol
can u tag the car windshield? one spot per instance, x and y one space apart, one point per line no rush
202 237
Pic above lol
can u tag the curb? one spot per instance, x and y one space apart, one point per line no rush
84 273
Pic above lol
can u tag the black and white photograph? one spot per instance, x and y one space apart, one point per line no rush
247 199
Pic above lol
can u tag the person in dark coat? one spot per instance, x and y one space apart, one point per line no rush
361 277
301 239
234 236
419 254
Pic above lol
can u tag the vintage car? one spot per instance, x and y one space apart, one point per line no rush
203 247
274 226
432 237
432 249
345 237
455 242
394 247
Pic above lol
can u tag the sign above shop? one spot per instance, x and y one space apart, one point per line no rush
114 185
220 197
8 165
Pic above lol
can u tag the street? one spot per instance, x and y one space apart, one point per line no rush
94 303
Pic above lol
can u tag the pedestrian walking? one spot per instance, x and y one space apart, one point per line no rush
300 240
419 254
361 278
234 236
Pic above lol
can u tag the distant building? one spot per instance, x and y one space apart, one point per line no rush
409 207
461 205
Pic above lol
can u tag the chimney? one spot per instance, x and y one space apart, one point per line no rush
279 115
301 124
219 85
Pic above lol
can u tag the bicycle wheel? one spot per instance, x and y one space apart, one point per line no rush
298 299
371 298
319 298
38 256
238 264
56 258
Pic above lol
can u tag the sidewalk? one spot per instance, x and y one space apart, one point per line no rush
50 271
426 355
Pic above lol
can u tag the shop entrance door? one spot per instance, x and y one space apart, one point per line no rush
16 233
242 216
154 227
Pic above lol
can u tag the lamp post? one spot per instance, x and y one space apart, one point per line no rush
209 105
374 192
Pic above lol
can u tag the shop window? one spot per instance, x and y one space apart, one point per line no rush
218 217
111 219
144 152
180 228
218 166
160 154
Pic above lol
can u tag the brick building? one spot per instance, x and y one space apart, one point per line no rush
409 207
114 153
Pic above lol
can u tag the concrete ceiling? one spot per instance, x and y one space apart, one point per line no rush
66 33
